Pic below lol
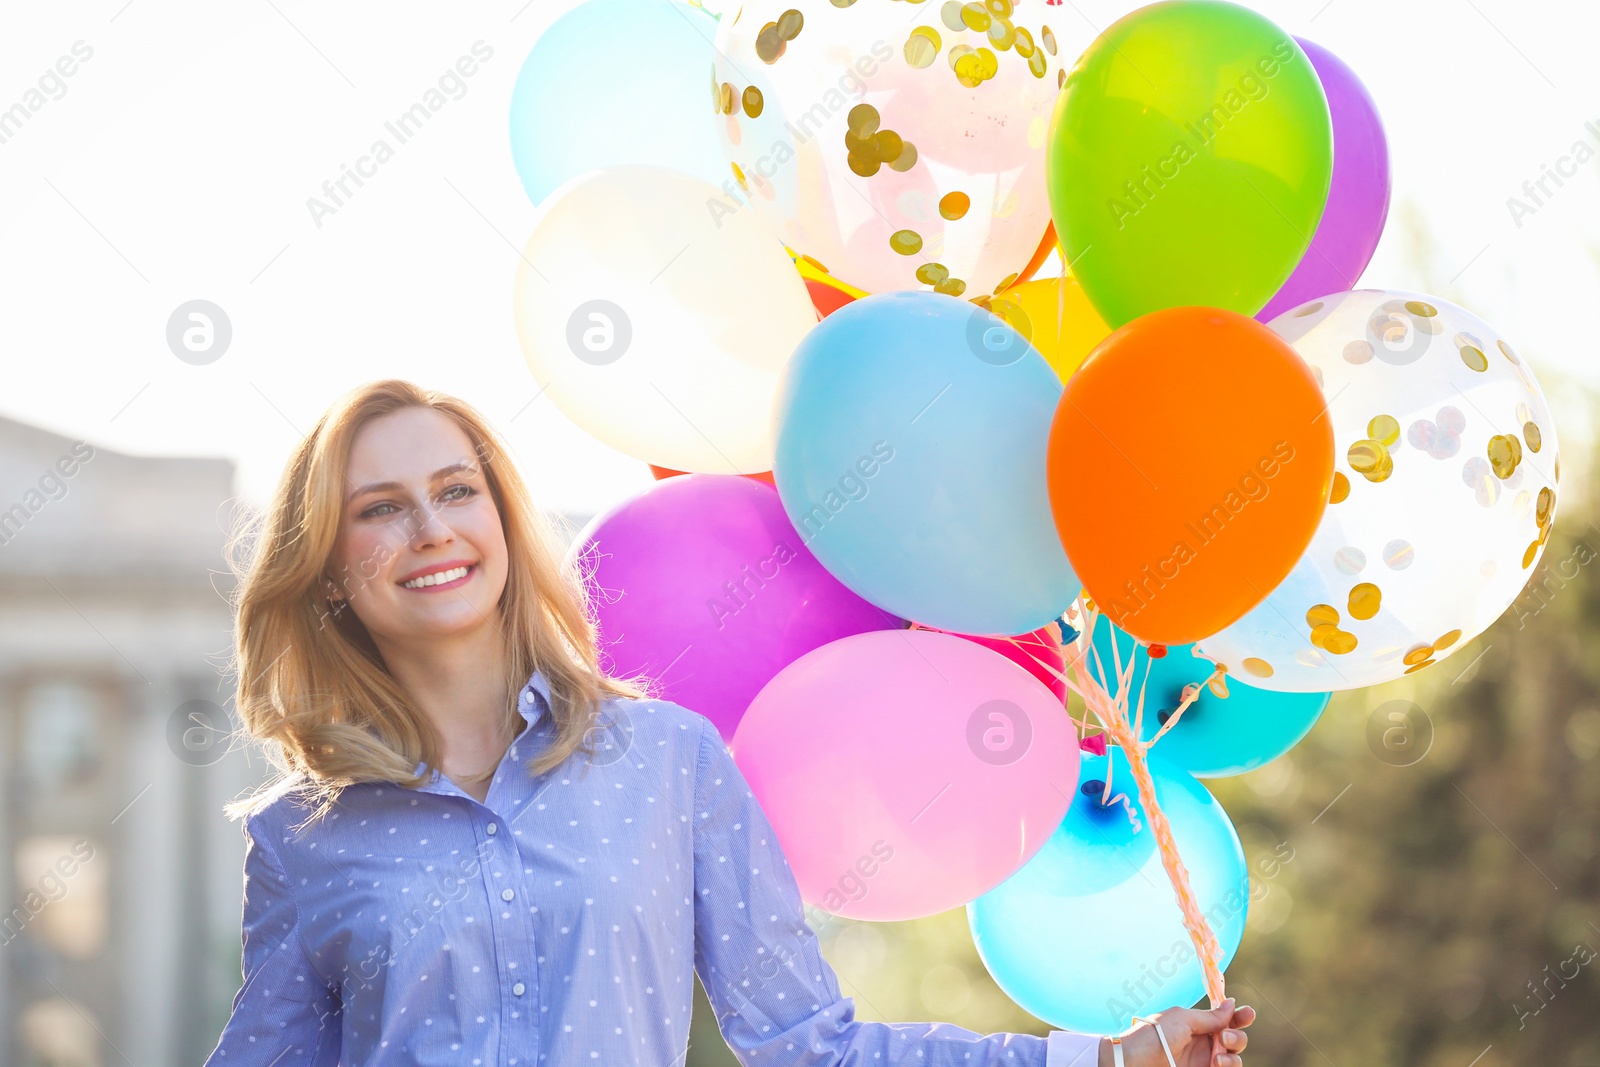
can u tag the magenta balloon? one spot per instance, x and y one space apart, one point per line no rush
907 772
1358 198
704 585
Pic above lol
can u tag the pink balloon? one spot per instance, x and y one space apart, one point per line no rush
907 772
702 583
1038 652
1358 198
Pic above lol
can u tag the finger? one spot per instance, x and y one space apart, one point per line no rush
1227 1059
1243 1017
1234 1040
1209 1022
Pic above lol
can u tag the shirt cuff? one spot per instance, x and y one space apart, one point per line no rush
1067 1049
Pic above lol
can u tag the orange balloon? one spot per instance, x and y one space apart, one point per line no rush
1046 245
1189 464
662 473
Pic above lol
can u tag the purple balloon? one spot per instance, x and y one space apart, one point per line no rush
702 583
1358 198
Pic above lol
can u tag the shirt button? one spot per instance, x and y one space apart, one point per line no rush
506 894
518 989
492 829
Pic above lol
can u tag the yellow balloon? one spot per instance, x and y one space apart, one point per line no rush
812 271
1056 318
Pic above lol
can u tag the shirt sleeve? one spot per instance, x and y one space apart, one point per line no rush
777 1000
285 1013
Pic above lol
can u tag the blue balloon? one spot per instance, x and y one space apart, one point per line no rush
1216 737
617 81
911 437
1088 933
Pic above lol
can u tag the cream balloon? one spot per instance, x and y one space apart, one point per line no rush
901 145
1443 496
659 325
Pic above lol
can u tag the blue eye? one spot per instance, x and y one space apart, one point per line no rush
372 512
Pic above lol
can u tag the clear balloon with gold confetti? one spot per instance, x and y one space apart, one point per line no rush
900 145
1443 495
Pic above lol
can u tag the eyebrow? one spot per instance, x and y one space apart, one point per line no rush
384 487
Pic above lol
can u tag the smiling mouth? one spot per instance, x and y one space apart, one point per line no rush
441 579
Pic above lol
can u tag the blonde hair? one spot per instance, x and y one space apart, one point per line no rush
312 687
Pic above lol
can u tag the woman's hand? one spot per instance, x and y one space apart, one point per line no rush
1189 1032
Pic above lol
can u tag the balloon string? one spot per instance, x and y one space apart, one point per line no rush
1112 714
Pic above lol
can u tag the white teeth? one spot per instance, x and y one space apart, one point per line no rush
436 578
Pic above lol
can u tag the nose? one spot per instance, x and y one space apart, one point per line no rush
431 528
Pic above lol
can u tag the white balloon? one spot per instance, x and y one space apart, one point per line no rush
895 149
659 319
1446 455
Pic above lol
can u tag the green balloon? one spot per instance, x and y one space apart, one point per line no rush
1190 153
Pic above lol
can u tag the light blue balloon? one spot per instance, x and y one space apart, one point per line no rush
617 81
1216 737
911 437
1088 933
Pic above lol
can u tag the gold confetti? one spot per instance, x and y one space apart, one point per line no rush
906 242
1384 429
922 47
1419 666
1024 45
1341 488
1532 435
1048 38
1474 358
1002 34
1505 350
1005 283
1447 640
1037 64
1258 667
889 145
1370 459
951 287
1543 509
1322 615
1331 639
1417 654
1505 452
975 16
769 45
1421 310
1000 9
950 15
954 205
790 23
738 176
863 120
906 160
728 99
753 101
932 273
1365 600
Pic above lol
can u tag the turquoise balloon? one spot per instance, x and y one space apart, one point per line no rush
1216 737
617 81
910 455
1088 933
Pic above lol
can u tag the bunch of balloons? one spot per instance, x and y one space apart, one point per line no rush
910 494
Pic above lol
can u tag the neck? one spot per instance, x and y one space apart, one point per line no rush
459 684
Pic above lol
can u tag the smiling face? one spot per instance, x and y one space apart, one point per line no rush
421 552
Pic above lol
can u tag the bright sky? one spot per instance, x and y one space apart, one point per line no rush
177 165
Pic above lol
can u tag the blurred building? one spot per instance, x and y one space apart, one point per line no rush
119 878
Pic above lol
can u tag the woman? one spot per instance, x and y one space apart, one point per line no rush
484 851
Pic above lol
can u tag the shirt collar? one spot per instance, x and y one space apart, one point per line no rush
533 699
